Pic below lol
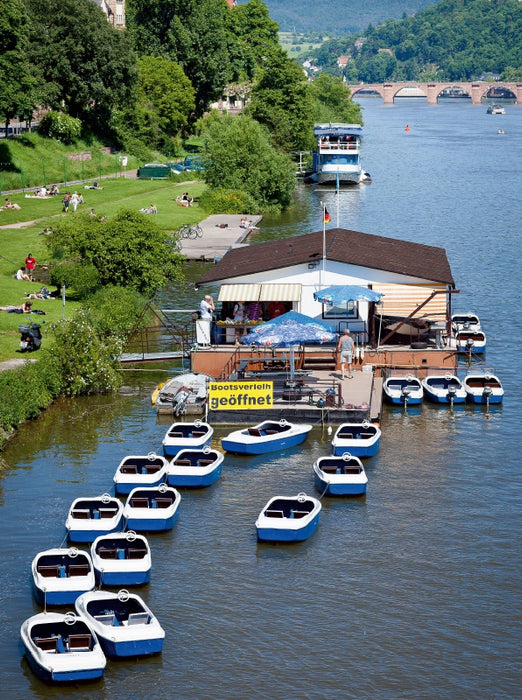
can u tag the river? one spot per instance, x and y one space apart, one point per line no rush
412 591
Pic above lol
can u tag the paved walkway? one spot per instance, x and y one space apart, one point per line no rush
221 232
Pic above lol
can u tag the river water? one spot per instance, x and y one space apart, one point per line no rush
409 592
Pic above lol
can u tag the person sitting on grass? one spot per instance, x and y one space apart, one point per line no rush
22 275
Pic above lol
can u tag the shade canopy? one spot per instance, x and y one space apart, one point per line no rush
343 293
289 329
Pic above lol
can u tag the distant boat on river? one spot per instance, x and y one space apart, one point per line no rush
337 157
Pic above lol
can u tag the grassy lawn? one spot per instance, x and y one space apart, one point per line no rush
17 242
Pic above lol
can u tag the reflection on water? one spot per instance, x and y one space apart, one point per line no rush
408 592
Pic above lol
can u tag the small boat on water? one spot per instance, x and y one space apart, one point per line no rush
496 109
91 517
123 622
267 436
340 476
195 468
121 559
152 509
62 648
288 518
60 575
403 390
139 470
483 387
444 388
183 393
182 436
465 321
470 341
359 439
337 156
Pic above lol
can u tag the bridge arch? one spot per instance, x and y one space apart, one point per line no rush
477 90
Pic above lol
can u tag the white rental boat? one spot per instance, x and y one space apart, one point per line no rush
152 509
182 436
186 392
444 388
483 387
139 470
121 559
465 321
403 389
496 109
196 468
61 575
288 518
467 341
267 436
123 622
359 439
62 648
337 156
340 476
90 517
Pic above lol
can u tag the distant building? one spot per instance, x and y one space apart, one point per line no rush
342 61
114 11
385 51
358 43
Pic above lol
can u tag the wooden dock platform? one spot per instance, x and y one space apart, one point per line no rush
221 232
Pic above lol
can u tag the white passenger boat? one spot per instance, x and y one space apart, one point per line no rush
337 157
402 389
152 509
465 321
91 517
195 468
62 648
182 436
444 388
340 476
483 387
359 439
267 436
139 470
123 622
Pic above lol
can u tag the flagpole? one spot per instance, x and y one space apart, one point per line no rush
324 247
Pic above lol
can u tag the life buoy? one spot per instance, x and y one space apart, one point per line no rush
123 595
301 497
130 536
347 456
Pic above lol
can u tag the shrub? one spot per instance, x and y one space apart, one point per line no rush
221 201
60 126
115 310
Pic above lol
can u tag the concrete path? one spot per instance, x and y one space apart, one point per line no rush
221 232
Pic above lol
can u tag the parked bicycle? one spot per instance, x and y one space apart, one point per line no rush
187 231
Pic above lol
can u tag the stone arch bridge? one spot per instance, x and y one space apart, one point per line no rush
476 90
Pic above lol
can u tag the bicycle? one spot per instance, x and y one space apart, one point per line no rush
195 231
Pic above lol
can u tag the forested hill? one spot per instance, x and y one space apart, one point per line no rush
453 40
338 17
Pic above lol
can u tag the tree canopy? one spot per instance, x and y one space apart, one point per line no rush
16 83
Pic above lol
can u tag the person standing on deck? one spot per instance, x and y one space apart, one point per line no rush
346 347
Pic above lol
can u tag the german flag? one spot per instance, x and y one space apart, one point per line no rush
327 217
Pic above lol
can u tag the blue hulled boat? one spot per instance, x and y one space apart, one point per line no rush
288 518
139 470
61 575
152 509
184 436
121 559
195 468
444 388
267 436
91 517
401 390
359 439
340 476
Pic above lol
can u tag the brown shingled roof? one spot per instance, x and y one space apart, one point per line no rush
342 245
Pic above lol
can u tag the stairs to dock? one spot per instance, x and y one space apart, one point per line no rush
320 358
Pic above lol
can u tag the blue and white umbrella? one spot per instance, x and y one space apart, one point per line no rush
343 293
288 330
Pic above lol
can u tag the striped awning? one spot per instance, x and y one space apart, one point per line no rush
239 292
280 292
403 299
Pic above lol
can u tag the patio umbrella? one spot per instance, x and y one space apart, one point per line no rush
288 330
344 293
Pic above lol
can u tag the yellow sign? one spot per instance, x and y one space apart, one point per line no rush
233 396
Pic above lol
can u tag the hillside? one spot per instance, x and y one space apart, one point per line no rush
338 17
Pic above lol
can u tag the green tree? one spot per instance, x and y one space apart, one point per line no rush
241 157
282 102
128 250
85 65
16 82
163 88
333 102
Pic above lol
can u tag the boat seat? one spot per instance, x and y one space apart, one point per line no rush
183 462
139 618
366 436
79 642
106 553
346 436
205 462
135 553
139 502
300 513
274 514
129 469
163 502
255 432
81 513
270 431
48 571
152 469
47 644
352 470
175 434
107 512
198 433
79 569
329 470
107 619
